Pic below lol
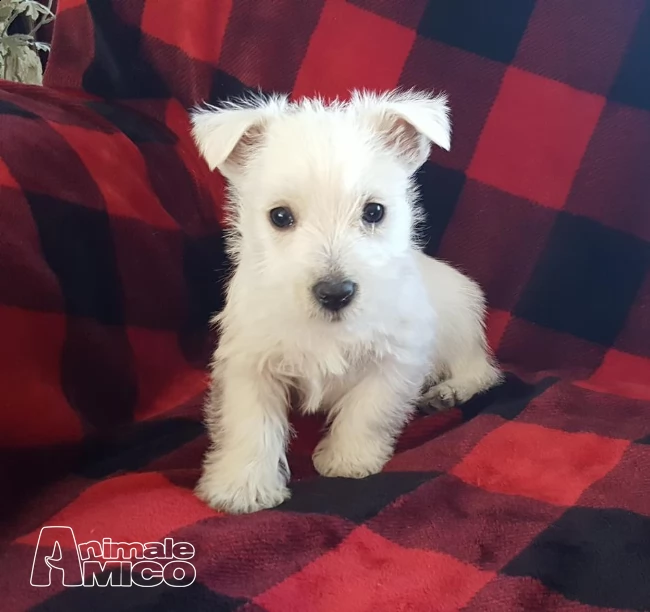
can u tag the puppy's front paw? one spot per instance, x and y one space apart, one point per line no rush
334 460
243 494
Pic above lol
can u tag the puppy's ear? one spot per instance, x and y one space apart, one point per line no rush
226 136
409 122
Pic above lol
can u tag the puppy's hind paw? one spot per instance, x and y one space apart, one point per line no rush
439 398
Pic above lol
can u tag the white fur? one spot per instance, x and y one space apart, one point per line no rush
415 323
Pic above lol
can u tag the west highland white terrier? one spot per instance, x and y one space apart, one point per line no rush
331 298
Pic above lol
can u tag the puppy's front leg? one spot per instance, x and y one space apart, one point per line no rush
246 468
364 426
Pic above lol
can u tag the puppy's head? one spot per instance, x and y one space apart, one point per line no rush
322 195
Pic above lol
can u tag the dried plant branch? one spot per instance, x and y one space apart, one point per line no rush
19 52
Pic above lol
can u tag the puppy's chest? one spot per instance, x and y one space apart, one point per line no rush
320 390
322 378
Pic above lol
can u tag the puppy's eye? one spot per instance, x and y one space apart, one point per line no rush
281 217
373 213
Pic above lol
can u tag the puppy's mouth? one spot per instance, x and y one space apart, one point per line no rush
333 317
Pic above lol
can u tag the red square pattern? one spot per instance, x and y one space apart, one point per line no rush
189 29
130 508
349 50
6 179
545 464
368 572
622 374
496 324
535 137
34 409
64 5
109 155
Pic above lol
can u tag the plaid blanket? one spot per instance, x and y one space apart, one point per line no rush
534 496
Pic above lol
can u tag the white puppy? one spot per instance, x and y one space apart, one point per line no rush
331 299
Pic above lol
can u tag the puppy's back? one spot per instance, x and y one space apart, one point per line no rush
459 304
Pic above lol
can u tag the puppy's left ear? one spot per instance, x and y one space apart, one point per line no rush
409 122
227 136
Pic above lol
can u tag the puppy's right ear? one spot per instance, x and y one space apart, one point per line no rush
226 136
409 122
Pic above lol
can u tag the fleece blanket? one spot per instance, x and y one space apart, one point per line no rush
534 496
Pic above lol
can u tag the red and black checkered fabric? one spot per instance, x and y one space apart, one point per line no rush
535 496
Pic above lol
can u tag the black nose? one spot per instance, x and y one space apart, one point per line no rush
334 294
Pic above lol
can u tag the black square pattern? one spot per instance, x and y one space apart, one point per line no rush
507 400
119 70
355 500
491 29
440 189
134 126
78 246
600 557
632 86
109 598
205 268
134 448
8 108
225 86
586 281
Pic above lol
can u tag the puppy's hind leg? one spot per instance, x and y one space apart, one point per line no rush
463 365
466 379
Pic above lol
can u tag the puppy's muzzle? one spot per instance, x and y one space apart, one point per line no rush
334 294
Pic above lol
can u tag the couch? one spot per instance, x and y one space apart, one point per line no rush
534 496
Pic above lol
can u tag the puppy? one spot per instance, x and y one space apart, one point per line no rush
331 297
